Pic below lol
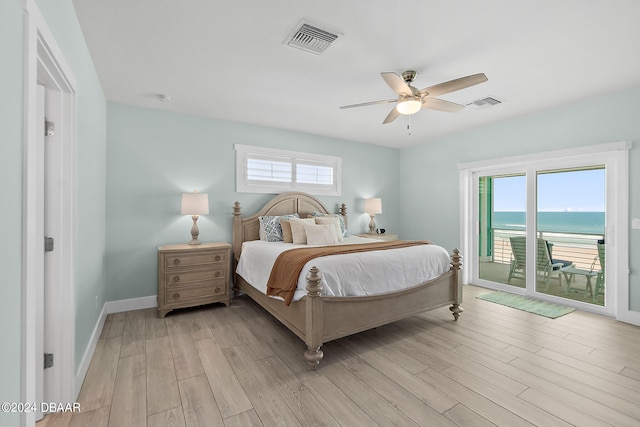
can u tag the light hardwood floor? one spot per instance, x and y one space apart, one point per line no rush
237 366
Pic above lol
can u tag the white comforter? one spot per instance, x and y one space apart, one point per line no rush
357 274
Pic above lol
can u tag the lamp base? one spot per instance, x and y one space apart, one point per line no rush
195 231
372 225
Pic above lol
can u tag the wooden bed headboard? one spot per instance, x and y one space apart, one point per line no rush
248 228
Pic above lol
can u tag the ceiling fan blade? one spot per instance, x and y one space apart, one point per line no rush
397 83
393 114
364 104
441 105
454 85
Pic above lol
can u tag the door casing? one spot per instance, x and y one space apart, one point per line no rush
615 158
45 65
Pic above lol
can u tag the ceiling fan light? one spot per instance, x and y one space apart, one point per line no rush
409 106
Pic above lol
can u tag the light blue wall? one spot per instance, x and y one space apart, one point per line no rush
430 176
154 156
11 106
90 158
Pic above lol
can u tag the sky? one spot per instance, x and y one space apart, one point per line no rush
571 191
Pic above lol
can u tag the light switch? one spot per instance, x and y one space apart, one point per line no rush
635 223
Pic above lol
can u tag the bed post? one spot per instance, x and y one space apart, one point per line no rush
313 319
237 243
456 262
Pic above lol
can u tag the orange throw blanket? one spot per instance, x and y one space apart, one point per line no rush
283 279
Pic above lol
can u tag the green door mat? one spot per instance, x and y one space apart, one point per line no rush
542 308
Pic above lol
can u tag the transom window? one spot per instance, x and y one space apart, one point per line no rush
268 170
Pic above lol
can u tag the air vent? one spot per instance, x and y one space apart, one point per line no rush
310 38
485 102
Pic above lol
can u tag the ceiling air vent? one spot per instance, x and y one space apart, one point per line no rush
486 102
310 38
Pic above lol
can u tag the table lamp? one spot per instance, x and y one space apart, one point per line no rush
195 204
373 206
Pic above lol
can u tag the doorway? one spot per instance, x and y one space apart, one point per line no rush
48 185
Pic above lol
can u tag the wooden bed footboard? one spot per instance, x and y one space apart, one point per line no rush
330 318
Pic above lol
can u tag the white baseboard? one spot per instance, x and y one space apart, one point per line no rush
88 353
108 308
131 304
629 316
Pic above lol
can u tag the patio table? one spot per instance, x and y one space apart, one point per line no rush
569 273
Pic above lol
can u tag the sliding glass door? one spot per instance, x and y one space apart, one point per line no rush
554 226
559 253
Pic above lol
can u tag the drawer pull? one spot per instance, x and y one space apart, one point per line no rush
176 295
216 290
217 274
176 261
217 257
176 278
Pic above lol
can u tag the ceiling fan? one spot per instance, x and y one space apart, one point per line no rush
411 100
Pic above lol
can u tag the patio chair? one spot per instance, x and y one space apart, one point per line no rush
564 263
544 265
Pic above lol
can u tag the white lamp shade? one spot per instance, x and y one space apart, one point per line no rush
195 204
373 205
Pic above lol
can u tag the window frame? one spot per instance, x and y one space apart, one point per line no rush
244 185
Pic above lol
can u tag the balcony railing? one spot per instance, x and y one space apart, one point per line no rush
581 249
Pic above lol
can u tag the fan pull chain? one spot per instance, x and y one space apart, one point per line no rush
409 126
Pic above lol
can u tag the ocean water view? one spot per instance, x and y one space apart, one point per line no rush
554 222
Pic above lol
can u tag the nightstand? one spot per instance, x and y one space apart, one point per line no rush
190 275
384 236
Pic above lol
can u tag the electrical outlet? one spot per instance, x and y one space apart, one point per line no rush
635 223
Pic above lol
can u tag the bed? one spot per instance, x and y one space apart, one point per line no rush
316 318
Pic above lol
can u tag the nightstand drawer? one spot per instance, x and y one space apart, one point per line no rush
173 260
196 290
193 276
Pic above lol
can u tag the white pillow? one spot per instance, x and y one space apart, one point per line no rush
343 226
298 234
322 220
320 234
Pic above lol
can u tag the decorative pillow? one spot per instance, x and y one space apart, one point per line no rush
333 220
287 237
298 234
343 227
270 227
320 234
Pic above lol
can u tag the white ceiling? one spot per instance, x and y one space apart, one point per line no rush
227 59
